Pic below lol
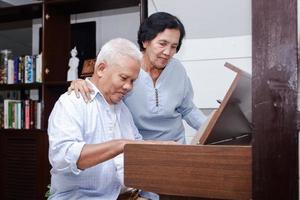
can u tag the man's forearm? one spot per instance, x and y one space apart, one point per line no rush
93 154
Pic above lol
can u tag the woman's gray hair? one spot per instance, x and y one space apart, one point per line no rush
116 48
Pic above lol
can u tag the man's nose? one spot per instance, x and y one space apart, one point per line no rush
127 86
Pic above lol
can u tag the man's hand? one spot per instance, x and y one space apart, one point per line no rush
157 142
81 87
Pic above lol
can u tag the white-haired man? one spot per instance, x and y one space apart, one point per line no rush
83 138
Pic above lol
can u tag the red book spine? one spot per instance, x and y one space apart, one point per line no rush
31 114
27 114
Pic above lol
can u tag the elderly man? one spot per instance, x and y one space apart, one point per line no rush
83 138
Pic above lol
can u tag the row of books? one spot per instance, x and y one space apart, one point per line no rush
22 69
22 114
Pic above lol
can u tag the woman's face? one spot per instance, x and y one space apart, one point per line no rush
159 50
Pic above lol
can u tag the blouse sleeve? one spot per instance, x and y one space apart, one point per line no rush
190 113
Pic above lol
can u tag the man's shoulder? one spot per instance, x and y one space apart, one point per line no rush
71 98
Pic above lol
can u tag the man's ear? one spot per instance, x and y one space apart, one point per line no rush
100 68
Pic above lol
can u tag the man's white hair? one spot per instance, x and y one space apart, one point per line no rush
114 49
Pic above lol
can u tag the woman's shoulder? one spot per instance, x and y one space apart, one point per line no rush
175 61
177 65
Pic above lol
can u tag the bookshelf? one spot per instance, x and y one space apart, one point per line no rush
24 152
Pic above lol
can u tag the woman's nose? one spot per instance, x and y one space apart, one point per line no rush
167 51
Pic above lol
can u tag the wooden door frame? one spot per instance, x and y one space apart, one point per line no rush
274 99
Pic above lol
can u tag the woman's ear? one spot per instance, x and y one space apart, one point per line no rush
145 44
100 68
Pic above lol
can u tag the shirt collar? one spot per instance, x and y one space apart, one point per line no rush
95 89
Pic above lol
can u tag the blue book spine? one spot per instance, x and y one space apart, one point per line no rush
16 70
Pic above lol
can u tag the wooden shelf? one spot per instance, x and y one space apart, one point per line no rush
15 13
20 86
21 131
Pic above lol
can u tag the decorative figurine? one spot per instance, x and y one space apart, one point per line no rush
73 64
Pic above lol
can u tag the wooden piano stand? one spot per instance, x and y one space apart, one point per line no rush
218 164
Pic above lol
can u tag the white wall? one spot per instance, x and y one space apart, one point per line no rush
208 18
204 61
36 24
19 2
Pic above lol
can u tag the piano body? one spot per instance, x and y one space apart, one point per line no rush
218 164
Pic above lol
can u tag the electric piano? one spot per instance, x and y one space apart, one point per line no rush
218 163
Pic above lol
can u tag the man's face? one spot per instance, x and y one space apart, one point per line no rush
159 50
117 80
